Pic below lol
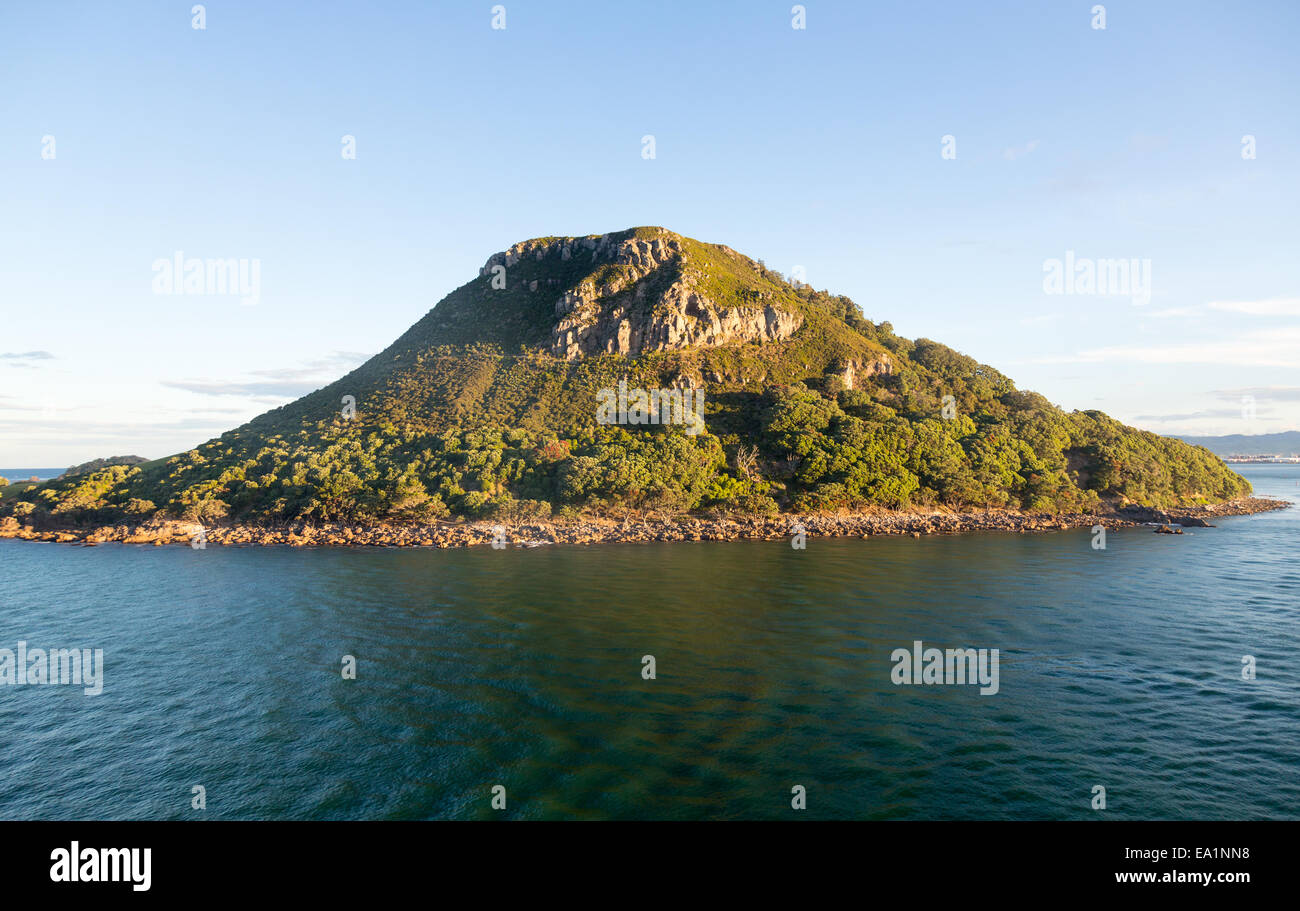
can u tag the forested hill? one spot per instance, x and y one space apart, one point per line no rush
491 406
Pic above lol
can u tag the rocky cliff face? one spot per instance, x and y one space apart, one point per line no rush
641 296
854 369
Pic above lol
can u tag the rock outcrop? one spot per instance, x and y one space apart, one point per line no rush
648 300
852 370
598 530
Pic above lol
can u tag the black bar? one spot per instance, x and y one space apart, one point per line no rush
652 861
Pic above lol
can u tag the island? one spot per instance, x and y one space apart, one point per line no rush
641 385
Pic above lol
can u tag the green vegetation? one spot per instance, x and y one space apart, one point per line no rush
466 415
13 490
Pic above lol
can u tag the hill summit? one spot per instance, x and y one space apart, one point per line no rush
643 290
644 369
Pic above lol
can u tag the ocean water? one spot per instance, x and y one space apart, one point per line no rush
23 474
523 668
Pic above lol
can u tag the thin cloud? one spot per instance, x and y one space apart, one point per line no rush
278 383
24 358
1196 415
79 428
1259 348
1272 306
1011 153
331 365
279 390
1263 393
1040 319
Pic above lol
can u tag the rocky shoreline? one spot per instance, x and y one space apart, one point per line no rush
643 528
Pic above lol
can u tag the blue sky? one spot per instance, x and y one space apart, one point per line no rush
819 148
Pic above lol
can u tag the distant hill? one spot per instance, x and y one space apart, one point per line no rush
1260 444
495 404
97 464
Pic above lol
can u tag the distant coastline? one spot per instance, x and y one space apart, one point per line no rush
1262 460
1250 447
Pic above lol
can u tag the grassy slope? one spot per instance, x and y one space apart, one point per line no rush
473 360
